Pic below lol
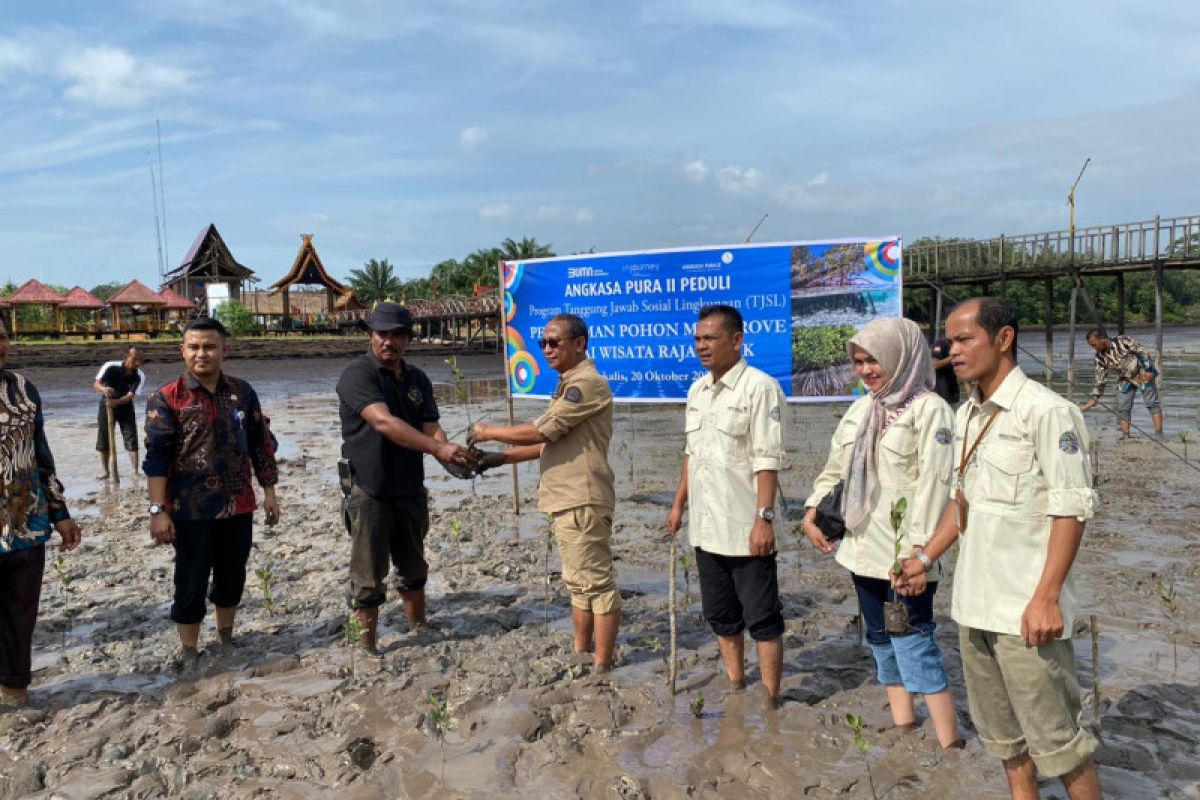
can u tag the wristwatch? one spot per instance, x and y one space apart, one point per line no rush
767 514
925 560
156 508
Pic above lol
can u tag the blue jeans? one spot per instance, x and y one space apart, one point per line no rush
913 659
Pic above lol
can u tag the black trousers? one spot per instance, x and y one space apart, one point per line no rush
20 590
740 593
218 548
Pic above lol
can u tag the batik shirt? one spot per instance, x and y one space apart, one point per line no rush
33 497
1125 358
206 444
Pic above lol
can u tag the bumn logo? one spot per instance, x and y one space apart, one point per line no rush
581 272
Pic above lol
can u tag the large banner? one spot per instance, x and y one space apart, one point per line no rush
801 302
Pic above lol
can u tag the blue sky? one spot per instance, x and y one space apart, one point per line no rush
418 131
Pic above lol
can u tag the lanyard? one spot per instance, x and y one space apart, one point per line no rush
959 497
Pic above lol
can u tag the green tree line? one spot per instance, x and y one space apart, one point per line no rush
377 280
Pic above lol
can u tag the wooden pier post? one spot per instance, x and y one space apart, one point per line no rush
937 312
1120 290
1049 328
1158 314
1071 342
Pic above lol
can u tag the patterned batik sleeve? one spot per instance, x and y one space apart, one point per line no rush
262 450
161 434
56 502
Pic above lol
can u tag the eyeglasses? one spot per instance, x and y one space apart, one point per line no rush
553 344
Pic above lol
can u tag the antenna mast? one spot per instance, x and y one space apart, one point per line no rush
157 228
162 199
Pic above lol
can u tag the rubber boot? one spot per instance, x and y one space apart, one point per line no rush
414 608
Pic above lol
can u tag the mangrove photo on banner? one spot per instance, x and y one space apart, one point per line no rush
820 363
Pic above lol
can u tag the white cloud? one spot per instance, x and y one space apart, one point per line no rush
496 211
583 216
695 171
736 180
472 138
547 212
820 179
15 57
110 76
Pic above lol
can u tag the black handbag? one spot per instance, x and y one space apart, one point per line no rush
829 514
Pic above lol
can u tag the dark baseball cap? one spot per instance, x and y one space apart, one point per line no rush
388 317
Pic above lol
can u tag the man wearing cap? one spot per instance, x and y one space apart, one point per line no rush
389 421
576 487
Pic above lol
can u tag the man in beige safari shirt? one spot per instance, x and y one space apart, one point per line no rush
730 474
576 487
1021 496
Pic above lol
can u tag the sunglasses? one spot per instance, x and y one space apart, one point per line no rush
553 344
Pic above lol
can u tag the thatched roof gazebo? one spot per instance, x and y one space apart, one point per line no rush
35 293
176 306
136 293
307 270
80 302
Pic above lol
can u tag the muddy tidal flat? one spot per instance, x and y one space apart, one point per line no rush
293 712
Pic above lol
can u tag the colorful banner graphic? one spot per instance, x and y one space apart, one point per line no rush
801 302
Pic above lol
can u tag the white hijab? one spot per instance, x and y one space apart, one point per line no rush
901 350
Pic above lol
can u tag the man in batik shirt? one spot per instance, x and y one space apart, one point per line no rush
1135 369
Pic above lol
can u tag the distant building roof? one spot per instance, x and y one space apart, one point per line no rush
175 301
136 293
34 292
307 269
208 251
81 298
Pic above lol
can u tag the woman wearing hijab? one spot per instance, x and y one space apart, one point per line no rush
894 443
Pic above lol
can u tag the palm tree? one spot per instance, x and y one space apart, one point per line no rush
375 281
524 249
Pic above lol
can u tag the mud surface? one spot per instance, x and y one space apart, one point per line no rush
292 712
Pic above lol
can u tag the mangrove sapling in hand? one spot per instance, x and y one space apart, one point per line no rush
861 744
895 612
463 392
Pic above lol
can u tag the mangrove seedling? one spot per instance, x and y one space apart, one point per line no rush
860 742
546 568
687 580
1166 593
439 718
697 704
353 634
64 582
266 583
1184 437
456 534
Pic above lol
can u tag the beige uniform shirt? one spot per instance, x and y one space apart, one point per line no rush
1031 466
733 431
574 461
914 460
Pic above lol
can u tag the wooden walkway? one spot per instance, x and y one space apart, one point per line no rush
1105 250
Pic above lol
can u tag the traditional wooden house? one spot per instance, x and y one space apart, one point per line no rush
208 261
